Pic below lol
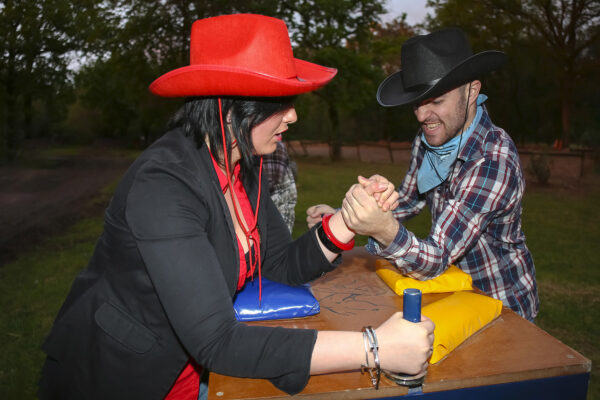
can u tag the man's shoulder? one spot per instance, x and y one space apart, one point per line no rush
492 148
494 140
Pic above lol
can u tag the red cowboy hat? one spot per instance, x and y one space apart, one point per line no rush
241 55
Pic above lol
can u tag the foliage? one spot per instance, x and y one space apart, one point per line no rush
74 71
539 165
333 33
396 123
551 44
39 40
361 67
154 38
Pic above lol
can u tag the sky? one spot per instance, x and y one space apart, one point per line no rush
415 10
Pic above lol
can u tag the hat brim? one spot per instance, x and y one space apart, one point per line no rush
219 80
391 91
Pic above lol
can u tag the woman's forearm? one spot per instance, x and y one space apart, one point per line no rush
337 351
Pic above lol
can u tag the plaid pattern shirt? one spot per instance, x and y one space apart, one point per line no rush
476 221
282 185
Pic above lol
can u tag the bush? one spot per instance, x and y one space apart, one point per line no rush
539 166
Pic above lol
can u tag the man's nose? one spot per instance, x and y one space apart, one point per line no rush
422 113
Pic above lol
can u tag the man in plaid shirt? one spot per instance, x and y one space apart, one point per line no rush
463 167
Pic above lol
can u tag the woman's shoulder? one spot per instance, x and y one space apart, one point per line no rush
172 167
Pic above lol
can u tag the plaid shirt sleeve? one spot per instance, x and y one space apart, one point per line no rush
275 165
282 185
487 190
285 196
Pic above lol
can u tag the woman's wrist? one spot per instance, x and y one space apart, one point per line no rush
371 346
333 234
338 228
333 243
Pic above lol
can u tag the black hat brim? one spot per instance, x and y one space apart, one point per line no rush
391 91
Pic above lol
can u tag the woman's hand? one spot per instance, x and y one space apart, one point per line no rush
405 347
386 194
315 213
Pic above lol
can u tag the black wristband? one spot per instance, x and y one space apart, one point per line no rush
326 242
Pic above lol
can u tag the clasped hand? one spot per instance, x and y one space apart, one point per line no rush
367 206
366 209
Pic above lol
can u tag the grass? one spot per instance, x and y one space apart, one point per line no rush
32 288
562 232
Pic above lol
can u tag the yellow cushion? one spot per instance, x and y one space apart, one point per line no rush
457 317
452 280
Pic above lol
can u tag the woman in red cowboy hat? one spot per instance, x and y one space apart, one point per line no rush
190 222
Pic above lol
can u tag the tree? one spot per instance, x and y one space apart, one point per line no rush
386 42
154 38
559 32
335 33
38 41
568 28
149 39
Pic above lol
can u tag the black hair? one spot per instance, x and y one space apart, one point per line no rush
199 118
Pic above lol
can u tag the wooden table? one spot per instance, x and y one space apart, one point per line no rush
510 358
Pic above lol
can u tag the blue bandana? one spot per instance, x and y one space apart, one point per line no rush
437 161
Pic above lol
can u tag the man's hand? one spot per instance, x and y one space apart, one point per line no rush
315 213
386 196
362 214
377 186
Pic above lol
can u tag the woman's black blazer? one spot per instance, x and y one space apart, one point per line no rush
158 289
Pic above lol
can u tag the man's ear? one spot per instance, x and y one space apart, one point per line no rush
474 89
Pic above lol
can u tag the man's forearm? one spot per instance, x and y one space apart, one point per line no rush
386 235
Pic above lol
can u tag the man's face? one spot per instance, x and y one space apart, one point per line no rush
443 117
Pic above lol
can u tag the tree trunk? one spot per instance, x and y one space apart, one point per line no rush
335 148
11 135
27 116
566 100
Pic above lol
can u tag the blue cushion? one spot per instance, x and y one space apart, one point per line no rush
279 301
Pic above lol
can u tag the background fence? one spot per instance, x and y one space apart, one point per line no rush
563 164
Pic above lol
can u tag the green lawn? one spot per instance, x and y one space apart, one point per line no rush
562 232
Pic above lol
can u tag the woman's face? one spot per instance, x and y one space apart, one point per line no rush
266 134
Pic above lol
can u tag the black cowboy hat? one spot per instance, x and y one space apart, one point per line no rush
434 64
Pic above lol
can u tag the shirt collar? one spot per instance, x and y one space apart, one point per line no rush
472 147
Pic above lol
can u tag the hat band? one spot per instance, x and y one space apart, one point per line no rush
422 86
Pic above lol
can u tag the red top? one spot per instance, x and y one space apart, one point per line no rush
247 212
187 384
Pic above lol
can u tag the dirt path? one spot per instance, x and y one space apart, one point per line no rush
39 201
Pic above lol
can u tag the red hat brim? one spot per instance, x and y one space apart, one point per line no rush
219 80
